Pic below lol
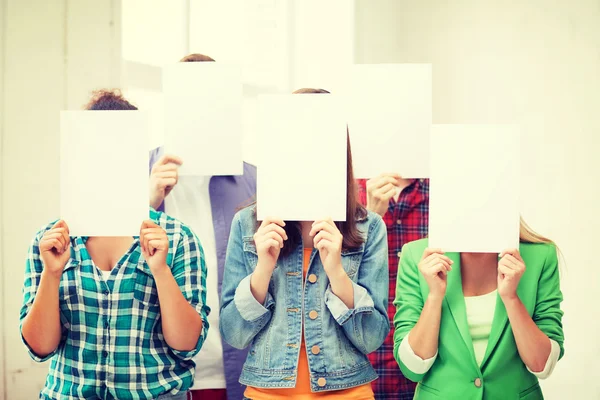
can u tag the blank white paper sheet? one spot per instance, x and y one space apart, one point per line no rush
474 192
301 173
104 172
389 115
203 117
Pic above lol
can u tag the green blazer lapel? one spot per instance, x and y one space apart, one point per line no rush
498 325
455 300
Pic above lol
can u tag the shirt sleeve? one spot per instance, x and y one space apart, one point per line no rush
249 308
412 361
550 363
242 316
33 274
189 271
367 324
409 305
547 314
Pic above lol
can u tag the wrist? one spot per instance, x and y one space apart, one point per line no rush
435 299
51 277
510 300
337 274
155 201
378 210
260 277
265 267
160 271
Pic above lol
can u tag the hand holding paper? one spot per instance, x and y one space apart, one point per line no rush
380 190
328 240
155 245
269 241
163 178
510 269
54 248
434 267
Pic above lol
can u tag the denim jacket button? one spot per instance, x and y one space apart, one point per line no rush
312 278
313 314
315 350
322 382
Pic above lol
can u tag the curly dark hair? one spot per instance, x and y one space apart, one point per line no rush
196 57
108 100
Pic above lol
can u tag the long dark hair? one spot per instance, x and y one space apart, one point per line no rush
354 210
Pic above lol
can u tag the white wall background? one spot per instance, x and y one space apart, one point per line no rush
55 53
536 63
2 341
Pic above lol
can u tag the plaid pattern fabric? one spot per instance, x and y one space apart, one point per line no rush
112 344
406 220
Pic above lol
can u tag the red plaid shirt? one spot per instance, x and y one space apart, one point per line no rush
406 220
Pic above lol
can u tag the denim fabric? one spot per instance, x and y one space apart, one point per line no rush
273 330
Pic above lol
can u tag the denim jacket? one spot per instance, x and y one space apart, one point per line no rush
273 330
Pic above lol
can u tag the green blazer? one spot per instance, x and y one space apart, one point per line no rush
502 374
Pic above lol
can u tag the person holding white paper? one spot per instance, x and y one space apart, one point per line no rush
119 317
404 206
479 325
207 204
309 299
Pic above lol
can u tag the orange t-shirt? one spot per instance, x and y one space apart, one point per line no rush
302 389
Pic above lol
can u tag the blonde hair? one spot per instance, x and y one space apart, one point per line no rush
528 235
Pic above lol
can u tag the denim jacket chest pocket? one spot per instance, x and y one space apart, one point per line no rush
250 252
351 259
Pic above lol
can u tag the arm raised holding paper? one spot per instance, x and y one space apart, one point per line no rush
41 328
498 327
163 178
94 293
181 323
269 241
304 292
380 190
496 322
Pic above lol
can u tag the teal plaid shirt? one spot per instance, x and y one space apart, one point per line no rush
112 344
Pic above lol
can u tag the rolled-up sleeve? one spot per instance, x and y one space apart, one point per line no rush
189 271
409 304
363 303
367 324
33 275
547 314
248 307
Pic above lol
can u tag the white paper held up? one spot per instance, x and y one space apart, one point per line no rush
389 115
301 158
203 117
104 172
474 193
